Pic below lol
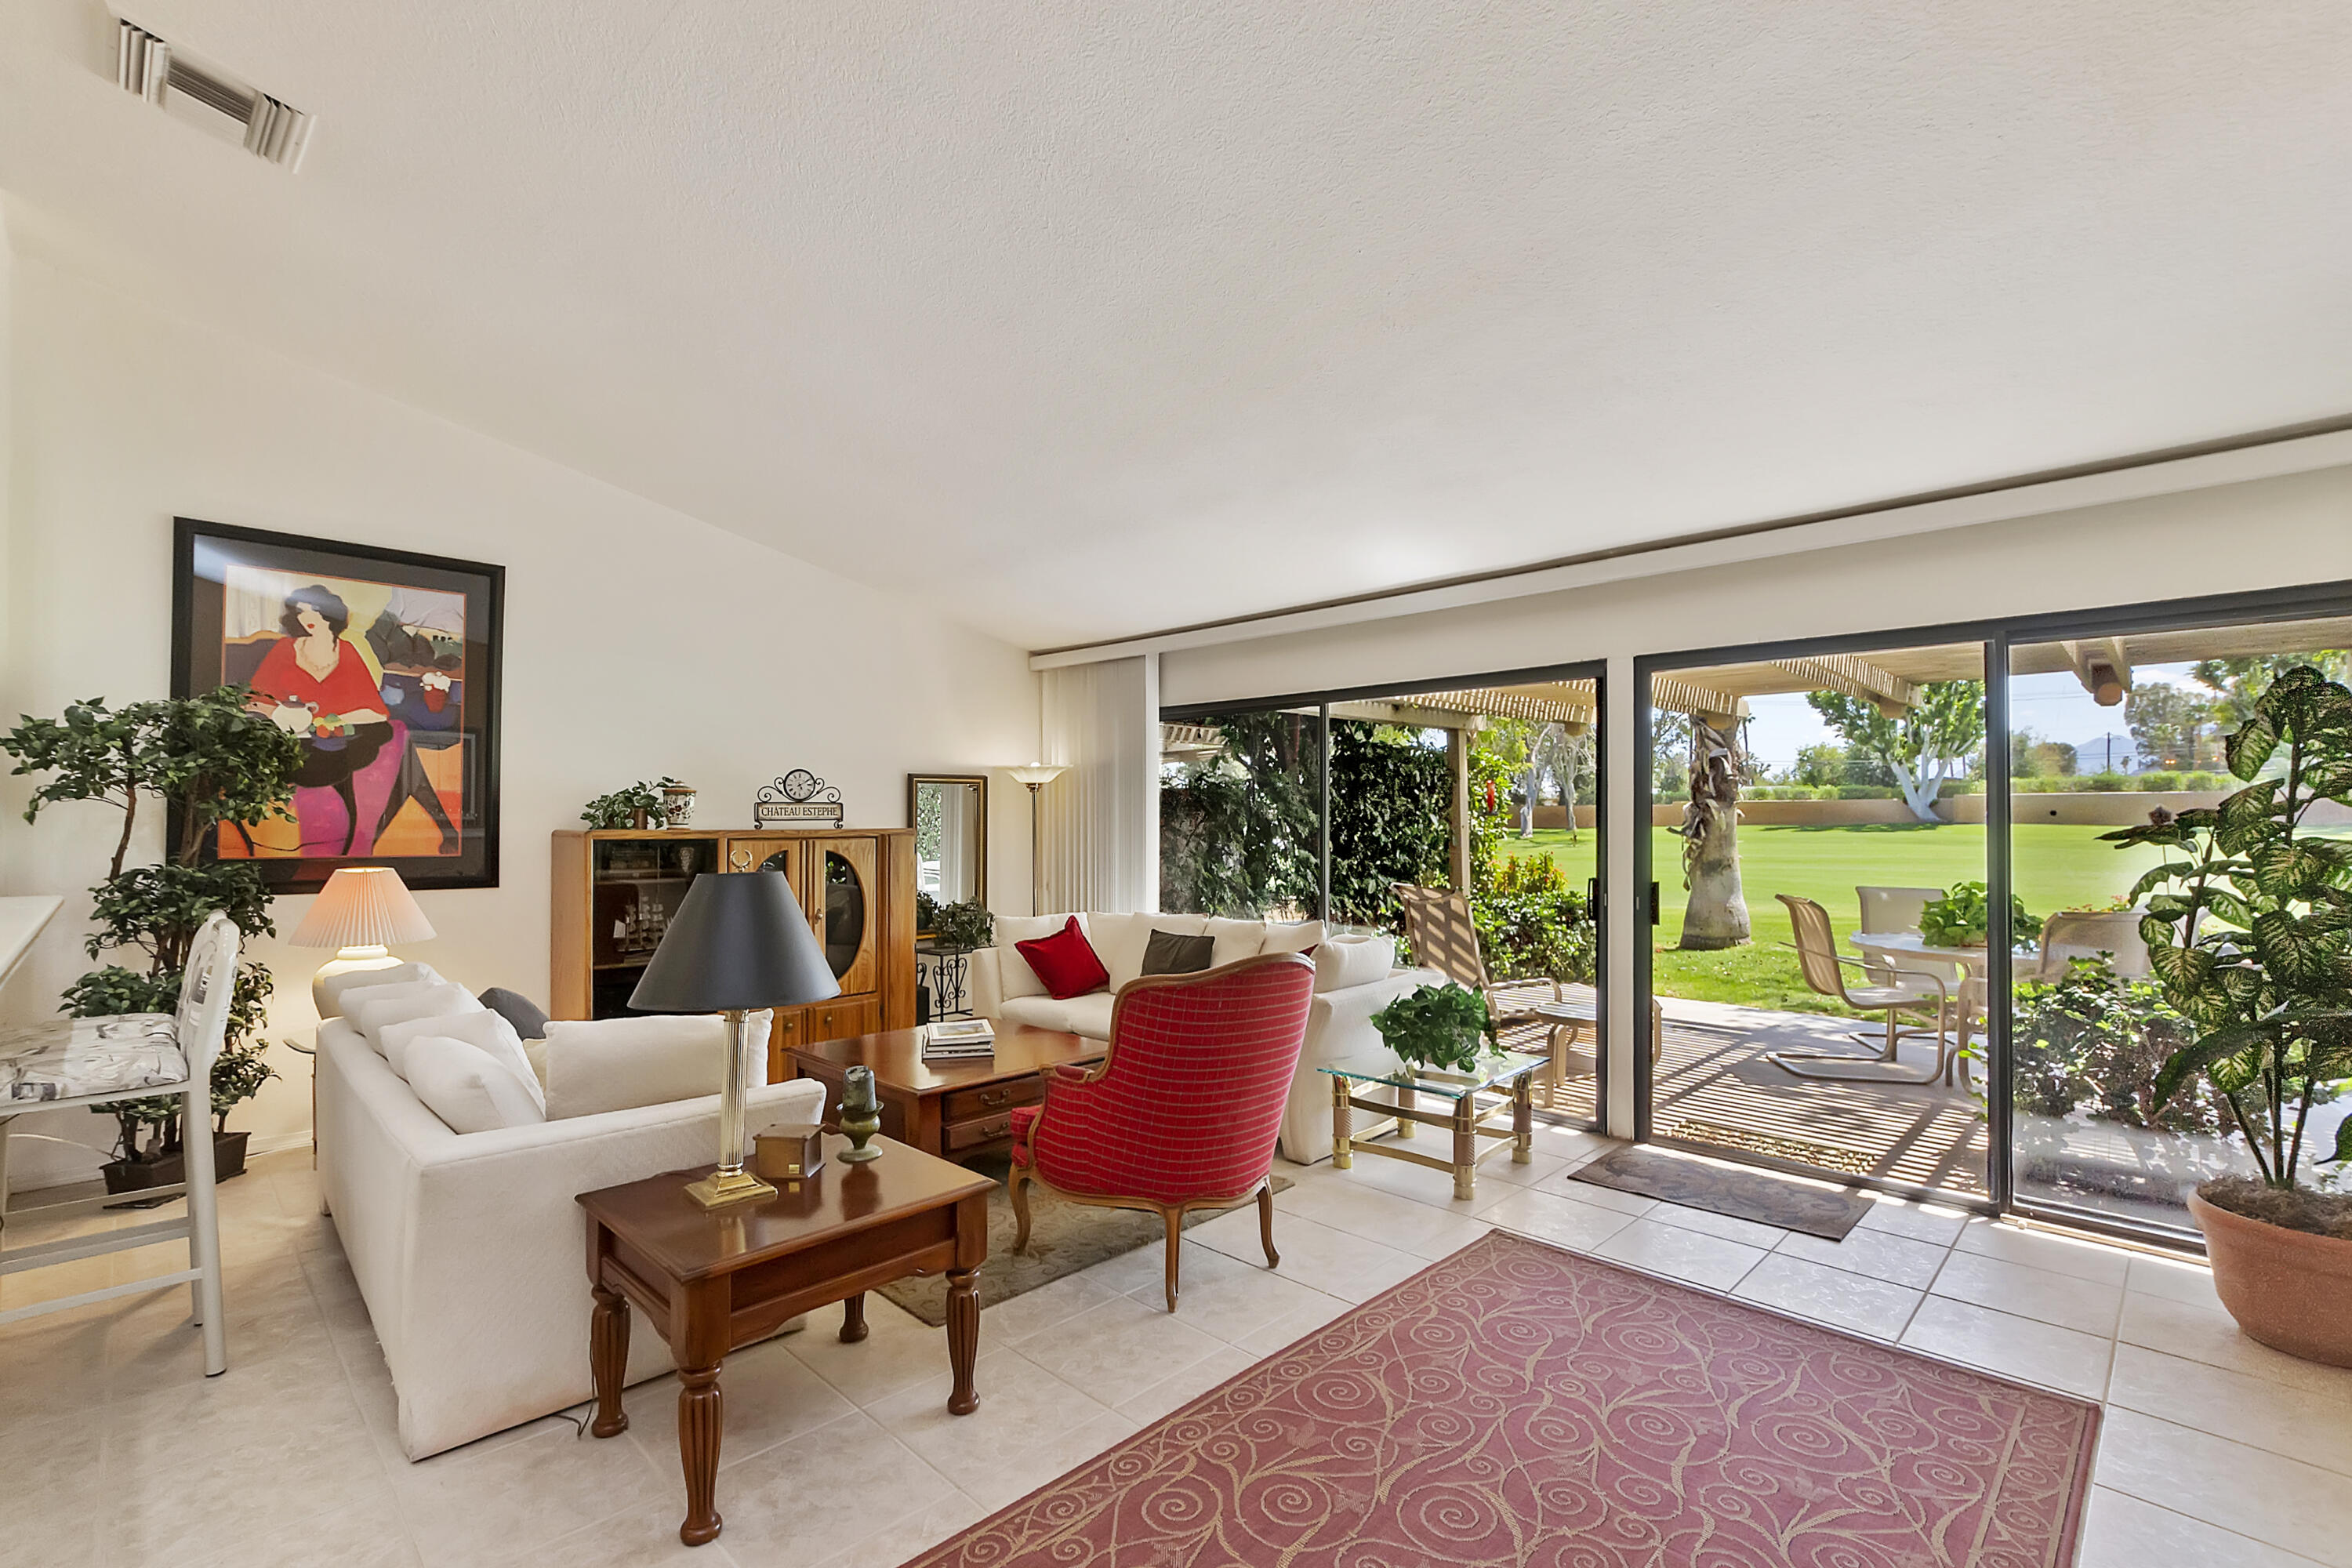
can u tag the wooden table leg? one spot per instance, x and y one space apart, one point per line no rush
964 1338
1523 1121
1465 1146
853 1319
1342 1156
608 1359
701 1417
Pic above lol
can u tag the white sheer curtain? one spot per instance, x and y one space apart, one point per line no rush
1099 832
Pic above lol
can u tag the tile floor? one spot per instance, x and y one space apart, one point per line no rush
2216 1452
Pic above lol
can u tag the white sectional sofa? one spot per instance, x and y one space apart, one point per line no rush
1355 978
468 1248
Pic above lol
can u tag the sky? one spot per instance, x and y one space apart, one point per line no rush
2054 707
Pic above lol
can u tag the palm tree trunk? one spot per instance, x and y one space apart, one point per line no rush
1716 914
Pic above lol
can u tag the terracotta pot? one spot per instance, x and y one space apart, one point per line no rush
2286 1287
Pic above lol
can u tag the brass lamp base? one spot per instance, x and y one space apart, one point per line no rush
721 1188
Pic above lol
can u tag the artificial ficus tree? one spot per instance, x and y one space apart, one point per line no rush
1931 741
209 762
2250 933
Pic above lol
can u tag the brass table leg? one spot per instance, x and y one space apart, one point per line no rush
1341 1156
1523 1121
1404 1099
1465 1146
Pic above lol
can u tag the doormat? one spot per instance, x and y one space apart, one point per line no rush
1828 1213
1064 1237
1517 1403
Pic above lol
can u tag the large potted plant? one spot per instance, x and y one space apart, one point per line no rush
1963 918
2251 937
208 760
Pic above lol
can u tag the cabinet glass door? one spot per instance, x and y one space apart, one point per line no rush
842 912
636 887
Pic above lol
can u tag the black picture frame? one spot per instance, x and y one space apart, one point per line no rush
399 791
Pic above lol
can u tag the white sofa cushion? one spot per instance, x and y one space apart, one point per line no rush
1236 940
1013 972
486 1031
613 1064
470 1091
1088 1015
371 1007
1344 960
335 987
1294 938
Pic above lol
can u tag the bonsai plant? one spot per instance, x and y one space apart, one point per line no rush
2251 939
1436 1027
1963 918
638 805
210 762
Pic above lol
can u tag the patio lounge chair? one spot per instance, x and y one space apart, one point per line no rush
1437 924
1906 992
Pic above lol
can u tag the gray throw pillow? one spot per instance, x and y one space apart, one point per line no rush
1167 953
516 1009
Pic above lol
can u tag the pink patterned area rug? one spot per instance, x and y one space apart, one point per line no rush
1517 1403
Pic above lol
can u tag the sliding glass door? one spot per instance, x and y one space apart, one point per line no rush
2107 727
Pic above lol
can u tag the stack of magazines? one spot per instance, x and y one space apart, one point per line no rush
958 1039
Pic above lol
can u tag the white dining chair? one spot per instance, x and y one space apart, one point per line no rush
101 1061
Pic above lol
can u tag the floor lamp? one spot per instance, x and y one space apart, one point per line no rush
1037 775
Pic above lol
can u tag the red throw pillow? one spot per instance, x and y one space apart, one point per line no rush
1066 962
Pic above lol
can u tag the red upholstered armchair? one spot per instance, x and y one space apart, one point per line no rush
1183 1111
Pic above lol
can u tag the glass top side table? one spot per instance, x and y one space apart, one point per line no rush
1495 1086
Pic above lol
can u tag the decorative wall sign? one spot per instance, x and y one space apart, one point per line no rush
799 799
385 663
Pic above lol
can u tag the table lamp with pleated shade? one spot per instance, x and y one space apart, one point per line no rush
361 912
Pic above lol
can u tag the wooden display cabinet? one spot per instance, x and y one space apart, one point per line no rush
615 892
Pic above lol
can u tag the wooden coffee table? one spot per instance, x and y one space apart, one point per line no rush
711 1279
954 1110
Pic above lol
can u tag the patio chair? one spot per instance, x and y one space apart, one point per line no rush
1908 992
1896 910
2086 933
136 1055
1437 924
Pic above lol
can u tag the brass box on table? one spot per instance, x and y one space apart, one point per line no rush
789 1152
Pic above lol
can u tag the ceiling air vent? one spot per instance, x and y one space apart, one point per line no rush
209 98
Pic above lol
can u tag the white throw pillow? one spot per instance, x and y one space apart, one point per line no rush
486 1031
617 1064
1014 976
1118 940
370 1008
1346 960
467 1089
333 989
1235 940
1294 938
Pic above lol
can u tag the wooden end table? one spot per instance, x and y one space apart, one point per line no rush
953 1110
711 1279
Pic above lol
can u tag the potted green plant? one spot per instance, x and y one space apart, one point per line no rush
962 927
2250 934
1963 918
1437 1027
209 762
639 806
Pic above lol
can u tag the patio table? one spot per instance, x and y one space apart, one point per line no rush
1893 947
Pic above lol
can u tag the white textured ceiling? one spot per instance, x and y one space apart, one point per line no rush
1084 321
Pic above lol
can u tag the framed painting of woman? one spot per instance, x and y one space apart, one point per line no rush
385 664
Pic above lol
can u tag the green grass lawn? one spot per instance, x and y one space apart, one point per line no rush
2058 867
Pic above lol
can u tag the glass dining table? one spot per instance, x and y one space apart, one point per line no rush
1910 949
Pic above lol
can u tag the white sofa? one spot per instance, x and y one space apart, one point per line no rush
469 1248
1355 978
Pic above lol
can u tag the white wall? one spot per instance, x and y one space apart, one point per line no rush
638 641
2238 538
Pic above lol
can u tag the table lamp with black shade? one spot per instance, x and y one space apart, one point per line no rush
738 943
